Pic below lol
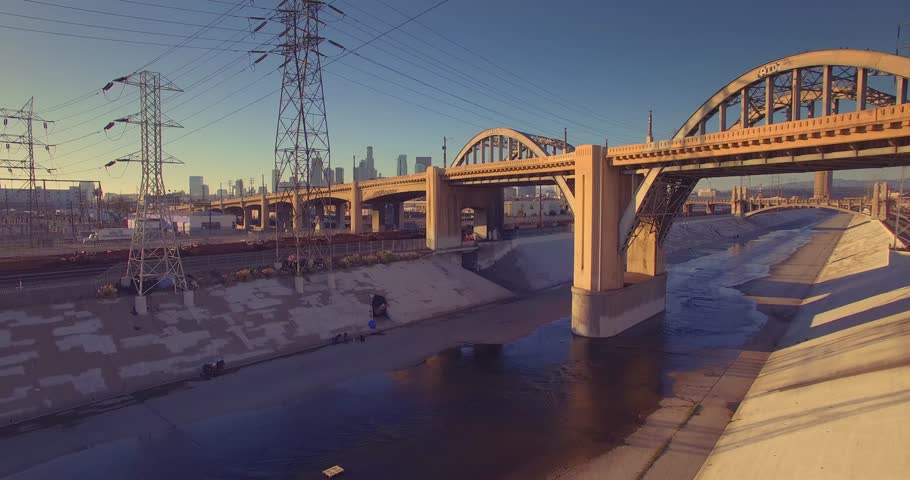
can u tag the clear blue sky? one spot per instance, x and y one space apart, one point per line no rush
616 59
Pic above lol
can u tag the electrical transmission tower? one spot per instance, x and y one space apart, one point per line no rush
26 117
154 254
302 135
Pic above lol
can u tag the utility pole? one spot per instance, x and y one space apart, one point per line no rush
72 221
539 206
154 254
445 147
302 135
26 116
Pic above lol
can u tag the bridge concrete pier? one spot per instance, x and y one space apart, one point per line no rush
263 213
606 300
490 218
297 211
687 209
319 217
387 216
247 216
443 218
356 208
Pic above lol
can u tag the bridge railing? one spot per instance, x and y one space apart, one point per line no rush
758 134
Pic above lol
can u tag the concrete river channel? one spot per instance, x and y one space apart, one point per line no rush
528 408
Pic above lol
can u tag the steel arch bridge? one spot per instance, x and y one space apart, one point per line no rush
811 85
499 144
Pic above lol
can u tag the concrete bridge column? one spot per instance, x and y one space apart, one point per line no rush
399 215
709 209
387 217
687 209
602 304
247 216
263 213
296 211
319 217
377 218
356 209
489 219
644 255
443 212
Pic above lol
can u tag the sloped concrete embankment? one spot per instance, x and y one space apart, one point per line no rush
54 357
833 400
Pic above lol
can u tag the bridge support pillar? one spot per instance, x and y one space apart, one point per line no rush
247 216
296 211
606 300
709 209
377 218
356 209
319 217
687 209
489 219
263 213
443 212
644 255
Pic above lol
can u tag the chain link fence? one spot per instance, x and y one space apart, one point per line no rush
50 288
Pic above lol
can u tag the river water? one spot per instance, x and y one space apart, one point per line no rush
523 410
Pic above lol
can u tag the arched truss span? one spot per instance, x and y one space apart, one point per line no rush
807 85
500 144
791 206
802 86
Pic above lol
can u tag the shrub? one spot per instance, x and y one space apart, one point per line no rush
107 291
386 256
244 275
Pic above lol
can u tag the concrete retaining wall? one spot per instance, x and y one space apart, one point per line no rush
54 357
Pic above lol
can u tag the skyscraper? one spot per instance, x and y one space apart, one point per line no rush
275 180
339 174
238 188
421 164
196 188
317 173
329 176
402 164
371 166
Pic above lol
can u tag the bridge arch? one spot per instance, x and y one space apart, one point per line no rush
796 83
785 206
810 84
500 144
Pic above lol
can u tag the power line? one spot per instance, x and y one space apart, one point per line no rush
182 9
198 32
135 17
407 21
119 40
348 79
515 101
519 77
105 27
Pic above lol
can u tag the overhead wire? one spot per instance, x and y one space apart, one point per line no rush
553 96
135 17
118 40
210 25
107 27
515 102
